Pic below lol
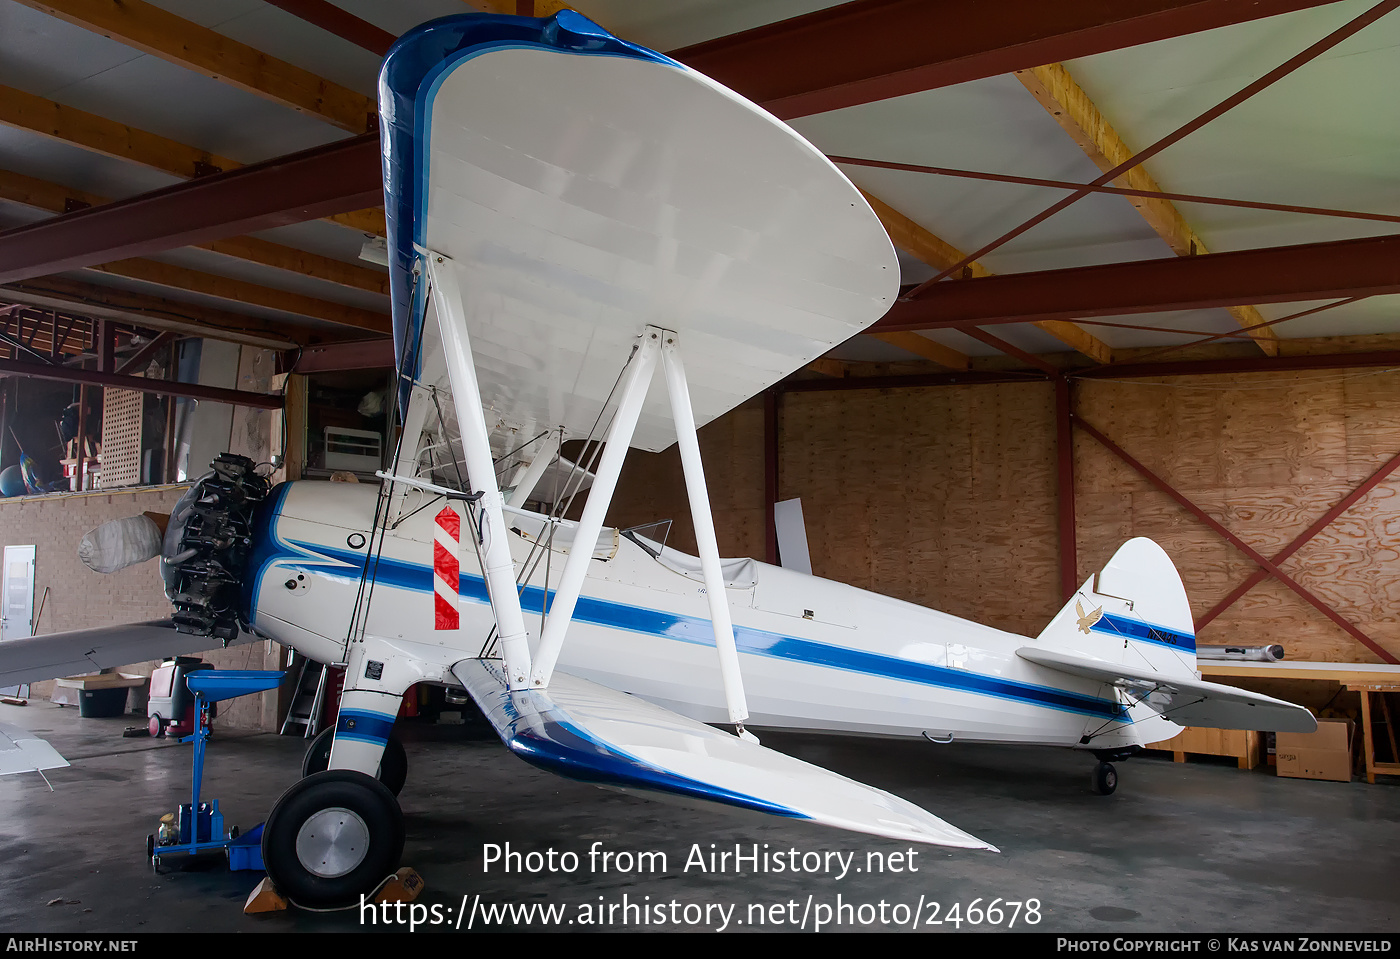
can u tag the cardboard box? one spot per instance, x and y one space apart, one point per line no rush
1325 754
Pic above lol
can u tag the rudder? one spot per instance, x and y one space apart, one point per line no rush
1134 611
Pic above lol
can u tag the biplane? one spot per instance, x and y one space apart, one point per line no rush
591 242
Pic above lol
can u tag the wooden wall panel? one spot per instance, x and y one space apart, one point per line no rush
945 496
941 496
1266 455
652 486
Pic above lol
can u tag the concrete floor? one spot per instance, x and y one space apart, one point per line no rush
1195 847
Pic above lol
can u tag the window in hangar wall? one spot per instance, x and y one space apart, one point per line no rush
63 437
55 437
347 422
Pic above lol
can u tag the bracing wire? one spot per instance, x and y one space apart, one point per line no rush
364 594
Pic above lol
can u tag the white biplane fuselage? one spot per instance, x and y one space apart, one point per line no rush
816 654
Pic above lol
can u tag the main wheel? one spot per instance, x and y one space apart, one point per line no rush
1105 779
332 837
393 766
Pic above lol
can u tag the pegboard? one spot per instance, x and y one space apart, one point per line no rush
121 438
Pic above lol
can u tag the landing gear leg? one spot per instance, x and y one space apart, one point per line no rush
1105 779
332 837
393 765
338 833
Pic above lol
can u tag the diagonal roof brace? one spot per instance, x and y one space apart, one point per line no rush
871 50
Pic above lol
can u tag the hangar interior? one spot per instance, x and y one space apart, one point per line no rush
1148 288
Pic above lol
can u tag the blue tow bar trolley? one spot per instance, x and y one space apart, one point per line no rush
199 826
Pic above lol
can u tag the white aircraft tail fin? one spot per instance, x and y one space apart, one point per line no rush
1134 611
1130 626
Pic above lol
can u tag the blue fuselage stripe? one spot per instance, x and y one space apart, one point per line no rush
698 631
1144 632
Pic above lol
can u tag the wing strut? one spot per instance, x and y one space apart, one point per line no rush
699 496
642 367
531 478
481 470
655 345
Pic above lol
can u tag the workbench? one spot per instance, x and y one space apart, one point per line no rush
1363 678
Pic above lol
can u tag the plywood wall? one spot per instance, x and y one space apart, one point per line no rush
1266 455
942 496
652 487
945 496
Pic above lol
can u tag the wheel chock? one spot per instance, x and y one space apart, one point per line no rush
264 898
403 886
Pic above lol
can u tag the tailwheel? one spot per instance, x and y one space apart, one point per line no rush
1105 779
393 765
332 837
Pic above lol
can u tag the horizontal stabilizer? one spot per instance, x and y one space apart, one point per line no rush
1187 702
591 733
52 655
23 752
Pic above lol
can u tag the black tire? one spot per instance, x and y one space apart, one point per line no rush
393 766
1105 779
151 849
332 837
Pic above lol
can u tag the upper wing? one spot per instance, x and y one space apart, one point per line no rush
589 732
584 187
1188 702
85 650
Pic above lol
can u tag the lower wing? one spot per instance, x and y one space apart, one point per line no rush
591 733
1183 701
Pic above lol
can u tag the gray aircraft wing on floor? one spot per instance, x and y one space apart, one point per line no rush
52 655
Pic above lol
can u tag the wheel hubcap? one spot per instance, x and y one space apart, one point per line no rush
332 842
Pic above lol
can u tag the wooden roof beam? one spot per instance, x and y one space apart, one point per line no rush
25 111
927 348
241 291
55 198
522 8
828 367
940 254
152 30
155 312
1063 98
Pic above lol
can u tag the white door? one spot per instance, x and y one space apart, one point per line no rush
17 597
